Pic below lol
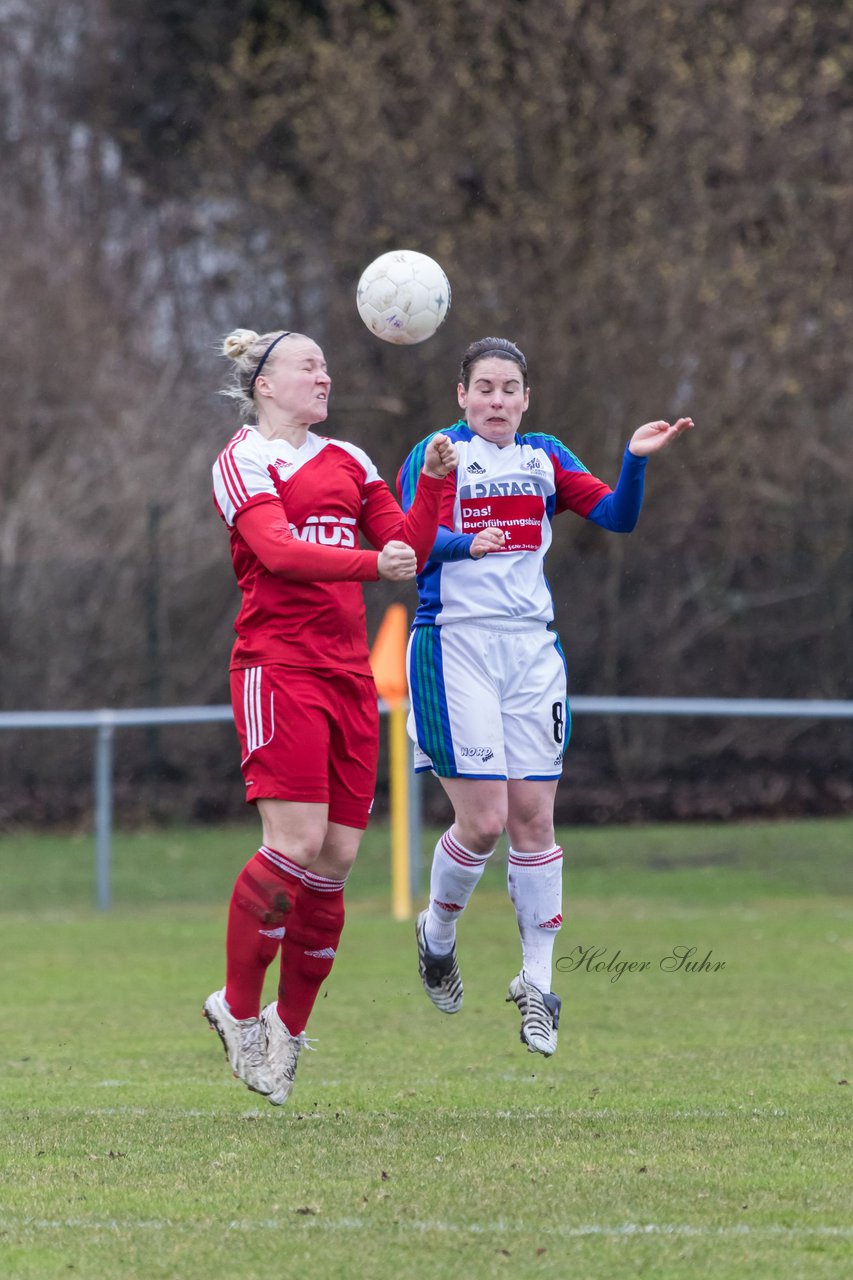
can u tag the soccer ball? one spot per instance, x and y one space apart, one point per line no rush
403 297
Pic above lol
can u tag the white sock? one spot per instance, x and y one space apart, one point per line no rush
455 874
535 882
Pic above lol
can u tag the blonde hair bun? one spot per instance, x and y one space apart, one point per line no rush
238 342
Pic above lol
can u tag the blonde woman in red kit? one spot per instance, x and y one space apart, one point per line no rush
304 701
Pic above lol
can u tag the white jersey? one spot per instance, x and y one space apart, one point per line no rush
517 488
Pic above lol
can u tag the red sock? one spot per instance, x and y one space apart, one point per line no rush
262 903
308 949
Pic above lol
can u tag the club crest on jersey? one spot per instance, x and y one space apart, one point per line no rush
532 464
327 531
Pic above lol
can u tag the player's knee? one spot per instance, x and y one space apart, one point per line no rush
481 832
301 841
335 863
542 835
533 832
304 850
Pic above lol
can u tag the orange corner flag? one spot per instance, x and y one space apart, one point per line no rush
388 655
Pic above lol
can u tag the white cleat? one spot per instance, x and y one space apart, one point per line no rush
244 1043
439 974
540 1016
283 1051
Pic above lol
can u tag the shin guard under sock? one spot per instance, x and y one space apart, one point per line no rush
263 901
535 882
455 874
308 948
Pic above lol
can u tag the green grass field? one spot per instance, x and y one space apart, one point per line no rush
693 1123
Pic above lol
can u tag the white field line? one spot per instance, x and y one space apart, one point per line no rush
501 1227
541 1113
182 1084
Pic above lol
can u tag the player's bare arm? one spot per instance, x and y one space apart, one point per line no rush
440 458
654 436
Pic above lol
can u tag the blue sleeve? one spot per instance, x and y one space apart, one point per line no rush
407 478
451 546
619 511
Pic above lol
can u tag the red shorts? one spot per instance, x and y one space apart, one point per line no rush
309 736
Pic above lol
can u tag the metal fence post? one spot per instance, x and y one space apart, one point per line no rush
415 824
103 812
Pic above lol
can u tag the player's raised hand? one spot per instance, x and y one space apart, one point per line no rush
485 541
654 436
441 457
397 562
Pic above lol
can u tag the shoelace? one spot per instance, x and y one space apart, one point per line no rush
296 1044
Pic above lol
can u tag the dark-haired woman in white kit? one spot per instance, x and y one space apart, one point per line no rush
487 674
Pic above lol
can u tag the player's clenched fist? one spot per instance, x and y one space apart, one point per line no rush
397 562
441 457
491 539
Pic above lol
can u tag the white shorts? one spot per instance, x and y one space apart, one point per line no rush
488 703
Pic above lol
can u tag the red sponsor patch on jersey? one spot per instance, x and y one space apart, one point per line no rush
519 515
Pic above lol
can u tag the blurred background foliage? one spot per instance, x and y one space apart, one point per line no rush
652 199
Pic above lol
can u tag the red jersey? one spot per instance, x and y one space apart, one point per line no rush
302 604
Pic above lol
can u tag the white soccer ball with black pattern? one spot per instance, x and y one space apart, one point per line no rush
403 297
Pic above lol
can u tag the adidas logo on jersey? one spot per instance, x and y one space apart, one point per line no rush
476 470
